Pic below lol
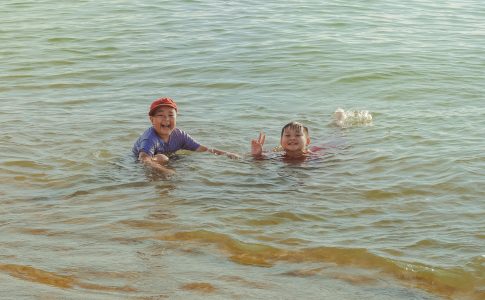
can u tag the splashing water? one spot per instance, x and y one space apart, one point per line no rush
351 118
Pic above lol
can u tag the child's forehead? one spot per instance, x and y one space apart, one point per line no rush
294 128
165 109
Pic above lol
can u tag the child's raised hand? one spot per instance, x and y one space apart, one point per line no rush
257 144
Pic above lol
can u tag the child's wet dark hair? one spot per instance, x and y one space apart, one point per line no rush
295 126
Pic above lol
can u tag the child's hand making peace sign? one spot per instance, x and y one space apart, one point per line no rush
257 144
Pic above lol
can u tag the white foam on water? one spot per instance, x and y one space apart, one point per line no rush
350 118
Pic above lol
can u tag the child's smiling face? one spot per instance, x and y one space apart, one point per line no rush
294 141
164 121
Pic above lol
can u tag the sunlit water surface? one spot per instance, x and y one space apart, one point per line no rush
393 209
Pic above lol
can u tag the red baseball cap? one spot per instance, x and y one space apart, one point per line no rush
161 102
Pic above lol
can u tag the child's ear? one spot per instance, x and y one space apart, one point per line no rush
308 140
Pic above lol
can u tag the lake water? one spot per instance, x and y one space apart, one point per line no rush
394 209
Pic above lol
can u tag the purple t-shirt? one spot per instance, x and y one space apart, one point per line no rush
150 143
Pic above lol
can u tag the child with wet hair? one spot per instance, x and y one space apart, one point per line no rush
294 141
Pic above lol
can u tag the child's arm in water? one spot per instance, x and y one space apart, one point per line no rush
155 162
257 145
217 152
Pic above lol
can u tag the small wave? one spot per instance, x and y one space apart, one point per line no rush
202 287
441 281
36 275
62 40
351 118
28 164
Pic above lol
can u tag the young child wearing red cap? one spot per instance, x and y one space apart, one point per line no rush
294 142
163 137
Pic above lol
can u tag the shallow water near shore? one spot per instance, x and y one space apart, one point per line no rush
393 209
